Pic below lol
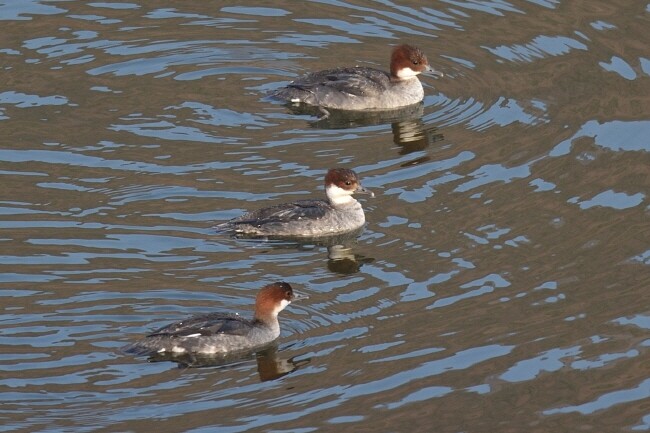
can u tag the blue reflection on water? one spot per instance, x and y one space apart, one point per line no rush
540 47
607 400
257 11
23 100
547 361
117 6
17 10
614 135
614 200
77 159
620 66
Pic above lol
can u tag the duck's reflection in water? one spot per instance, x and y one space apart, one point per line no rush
344 119
340 248
410 132
342 260
270 365
413 135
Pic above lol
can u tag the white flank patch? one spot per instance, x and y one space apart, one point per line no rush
406 73
177 349
198 334
295 100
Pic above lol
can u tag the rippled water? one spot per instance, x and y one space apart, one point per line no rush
501 283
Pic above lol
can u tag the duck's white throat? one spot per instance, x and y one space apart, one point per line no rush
406 73
339 196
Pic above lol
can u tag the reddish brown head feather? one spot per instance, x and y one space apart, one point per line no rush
407 55
271 294
275 292
341 177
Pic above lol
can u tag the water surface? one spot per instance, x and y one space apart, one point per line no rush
501 281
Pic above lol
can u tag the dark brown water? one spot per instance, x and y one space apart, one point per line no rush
501 284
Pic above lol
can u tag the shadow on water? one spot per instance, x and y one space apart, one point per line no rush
270 365
344 119
343 261
409 130
414 135
340 248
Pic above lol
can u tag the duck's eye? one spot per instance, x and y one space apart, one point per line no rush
415 62
348 183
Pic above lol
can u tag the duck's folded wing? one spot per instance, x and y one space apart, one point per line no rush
312 209
206 325
358 81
